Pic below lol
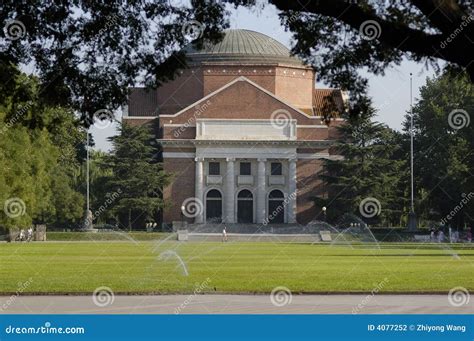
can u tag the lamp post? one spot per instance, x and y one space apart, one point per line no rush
411 215
182 215
324 213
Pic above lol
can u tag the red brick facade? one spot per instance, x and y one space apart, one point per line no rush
216 92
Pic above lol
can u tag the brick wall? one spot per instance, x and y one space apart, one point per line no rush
181 187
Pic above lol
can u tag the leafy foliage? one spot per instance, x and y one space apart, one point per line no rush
444 144
368 170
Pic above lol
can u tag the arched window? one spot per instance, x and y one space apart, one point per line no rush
276 207
245 207
214 206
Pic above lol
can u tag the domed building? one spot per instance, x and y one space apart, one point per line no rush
242 131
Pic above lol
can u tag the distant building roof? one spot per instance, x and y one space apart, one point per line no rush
142 102
244 46
326 101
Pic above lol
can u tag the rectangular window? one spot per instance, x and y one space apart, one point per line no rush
214 168
245 168
276 168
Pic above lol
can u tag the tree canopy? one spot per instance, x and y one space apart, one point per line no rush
444 145
87 54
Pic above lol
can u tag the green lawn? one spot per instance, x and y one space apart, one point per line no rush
62 267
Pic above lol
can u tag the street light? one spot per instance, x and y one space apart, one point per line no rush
411 215
324 213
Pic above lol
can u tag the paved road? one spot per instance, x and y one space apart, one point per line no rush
234 304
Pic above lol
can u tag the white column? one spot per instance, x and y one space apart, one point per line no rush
229 192
261 191
199 189
292 191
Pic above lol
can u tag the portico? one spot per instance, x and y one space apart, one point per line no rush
244 133
252 189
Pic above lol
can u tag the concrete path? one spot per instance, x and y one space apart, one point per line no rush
234 304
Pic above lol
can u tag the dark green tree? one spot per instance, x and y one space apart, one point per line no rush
444 149
367 170
137 175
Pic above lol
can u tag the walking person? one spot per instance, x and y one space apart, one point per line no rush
440 236
224 234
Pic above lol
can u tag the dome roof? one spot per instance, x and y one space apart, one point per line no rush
244 46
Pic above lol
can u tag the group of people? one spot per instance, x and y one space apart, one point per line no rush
25 237
438 235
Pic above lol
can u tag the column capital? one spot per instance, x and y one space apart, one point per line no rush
293 159
199 159
230 159
260 159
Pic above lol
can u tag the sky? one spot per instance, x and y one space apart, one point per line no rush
390 93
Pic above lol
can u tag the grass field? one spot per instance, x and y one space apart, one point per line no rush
137 267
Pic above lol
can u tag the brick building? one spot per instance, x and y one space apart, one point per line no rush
242 132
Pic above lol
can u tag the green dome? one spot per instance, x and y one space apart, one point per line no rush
244 46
